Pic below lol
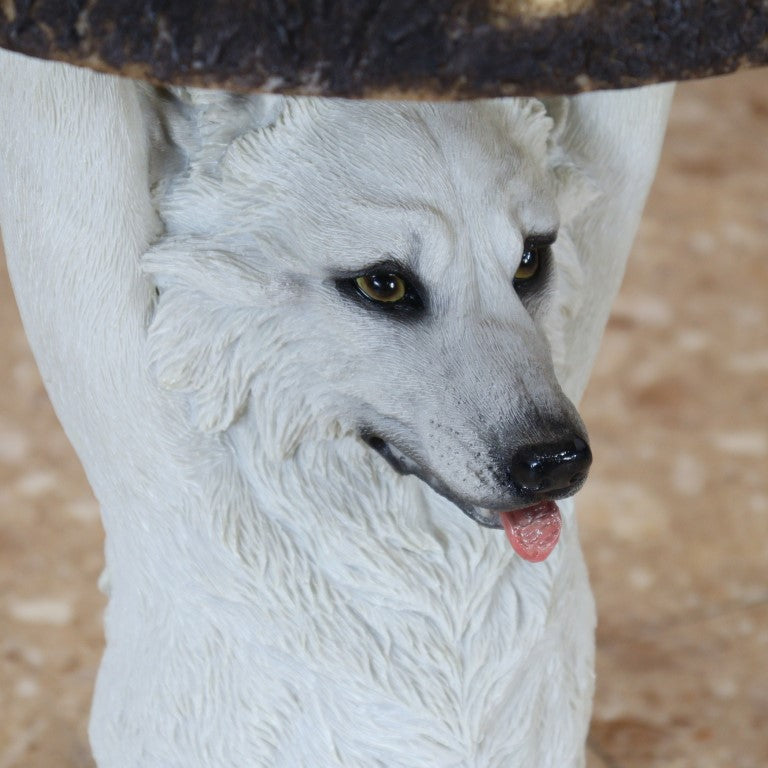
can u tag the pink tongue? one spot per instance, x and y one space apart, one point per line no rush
533 531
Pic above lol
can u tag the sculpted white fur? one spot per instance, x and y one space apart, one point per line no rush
279 594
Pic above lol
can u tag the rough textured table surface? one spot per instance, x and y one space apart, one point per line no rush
408 47
674 518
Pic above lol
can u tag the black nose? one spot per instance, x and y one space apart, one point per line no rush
554 469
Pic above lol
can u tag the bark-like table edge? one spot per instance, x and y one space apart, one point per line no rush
395 48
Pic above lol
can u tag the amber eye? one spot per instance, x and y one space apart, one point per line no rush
529 264
382 286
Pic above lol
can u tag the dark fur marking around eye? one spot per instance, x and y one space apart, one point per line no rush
411 306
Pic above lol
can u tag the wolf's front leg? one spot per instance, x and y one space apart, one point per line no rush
610 144
612 140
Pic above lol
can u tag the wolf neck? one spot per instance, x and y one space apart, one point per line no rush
374 583
334 579
337 530
356 522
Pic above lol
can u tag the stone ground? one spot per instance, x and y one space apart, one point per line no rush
674 517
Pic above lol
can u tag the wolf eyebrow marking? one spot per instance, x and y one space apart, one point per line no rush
540 238
403 259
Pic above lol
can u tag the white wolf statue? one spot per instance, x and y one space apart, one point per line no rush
311 354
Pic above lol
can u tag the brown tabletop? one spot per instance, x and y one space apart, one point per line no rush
375 48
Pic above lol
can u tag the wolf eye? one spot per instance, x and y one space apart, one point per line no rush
535 252
529 264
382 286
388 287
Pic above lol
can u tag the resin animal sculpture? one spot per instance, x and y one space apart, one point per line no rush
314 357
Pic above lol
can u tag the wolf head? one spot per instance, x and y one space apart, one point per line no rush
394 271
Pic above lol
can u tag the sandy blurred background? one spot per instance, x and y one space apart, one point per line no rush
674 517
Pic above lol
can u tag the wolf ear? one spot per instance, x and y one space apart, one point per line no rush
190 129
575 188
204 292
557 109
575 191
